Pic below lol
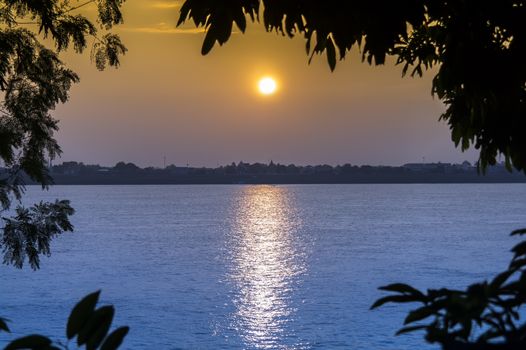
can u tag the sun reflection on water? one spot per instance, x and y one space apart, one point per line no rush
267 262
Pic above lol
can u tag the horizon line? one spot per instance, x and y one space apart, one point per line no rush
267 163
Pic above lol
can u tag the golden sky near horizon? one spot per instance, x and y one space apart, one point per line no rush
168 100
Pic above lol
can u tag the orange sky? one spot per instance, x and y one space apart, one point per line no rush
168 100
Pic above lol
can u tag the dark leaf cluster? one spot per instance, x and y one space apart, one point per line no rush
88 325
29 233
487 315
478 49
218 18
33 81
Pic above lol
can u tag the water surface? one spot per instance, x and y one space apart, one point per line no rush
261 267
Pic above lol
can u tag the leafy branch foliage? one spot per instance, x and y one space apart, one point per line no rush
29 233
33 80
87 323
486 315
478 48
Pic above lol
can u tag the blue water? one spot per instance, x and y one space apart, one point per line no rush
261 267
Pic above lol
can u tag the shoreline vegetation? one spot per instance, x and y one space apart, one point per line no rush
77 173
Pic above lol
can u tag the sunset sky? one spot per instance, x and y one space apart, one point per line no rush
168 100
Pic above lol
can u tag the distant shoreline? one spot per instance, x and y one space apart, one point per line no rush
279 184
292 180
74 173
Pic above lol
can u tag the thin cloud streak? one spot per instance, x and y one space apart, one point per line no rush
167 5
162 28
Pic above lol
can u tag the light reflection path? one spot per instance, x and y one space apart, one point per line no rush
268 260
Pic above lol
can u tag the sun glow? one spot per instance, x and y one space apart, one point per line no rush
267 86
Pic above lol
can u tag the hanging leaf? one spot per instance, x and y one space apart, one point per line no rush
115 339
81 313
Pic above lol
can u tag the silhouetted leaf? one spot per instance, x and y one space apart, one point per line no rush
519 232
419 314
500 279
210 39
114 340
402 288
98 319
183 12
241 21
81 313
3 325
519 249
32 342
224 28
102 329
331 54
410 329
517 264
394 299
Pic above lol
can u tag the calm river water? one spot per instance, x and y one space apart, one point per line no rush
261 267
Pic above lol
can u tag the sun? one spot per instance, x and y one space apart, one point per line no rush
267 86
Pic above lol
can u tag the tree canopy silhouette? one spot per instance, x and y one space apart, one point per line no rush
477 47
33 81
484 316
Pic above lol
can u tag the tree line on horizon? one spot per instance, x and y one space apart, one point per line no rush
78 173
74 168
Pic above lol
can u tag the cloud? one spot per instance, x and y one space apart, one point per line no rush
166 4
163 28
